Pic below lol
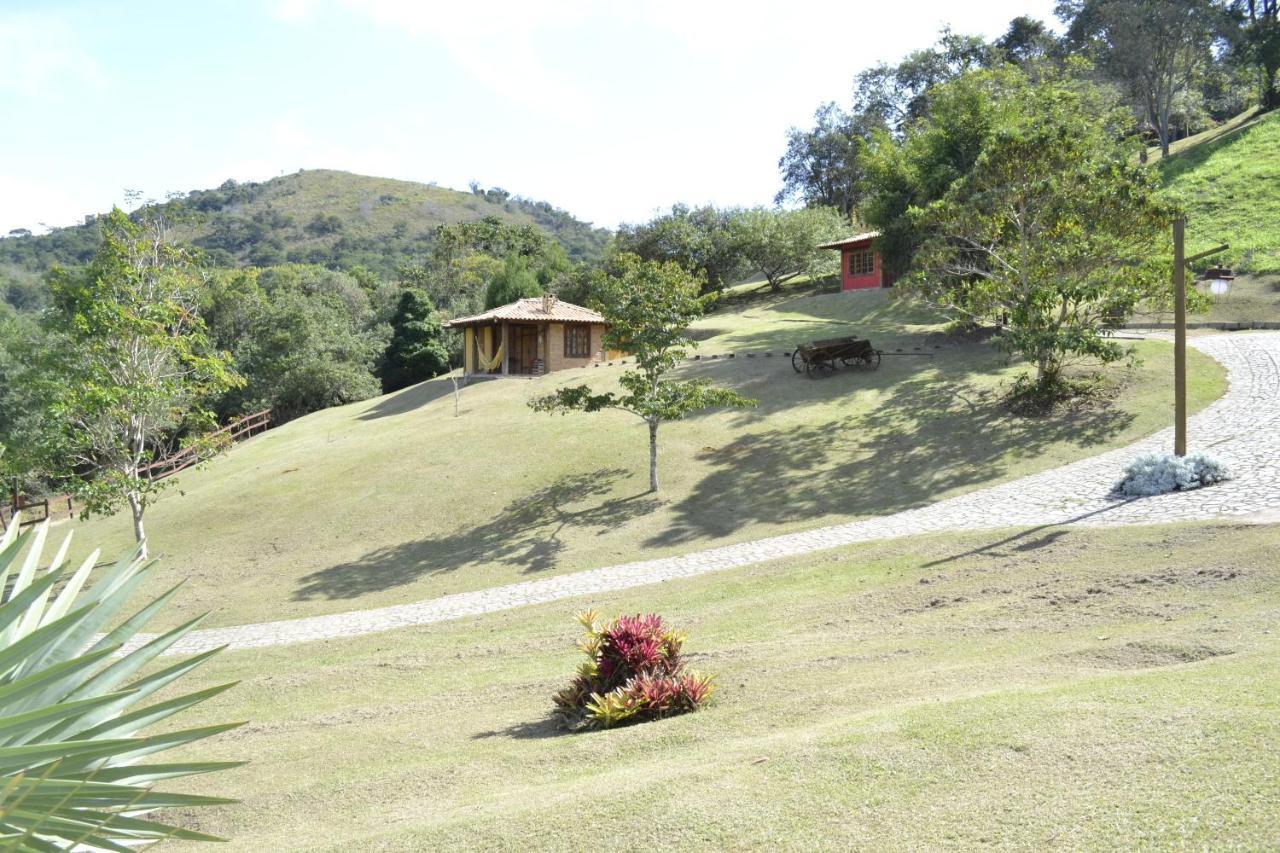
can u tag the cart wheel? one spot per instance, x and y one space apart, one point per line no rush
810 368
827 366
797 360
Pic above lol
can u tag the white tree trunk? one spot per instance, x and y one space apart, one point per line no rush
653 455
139 532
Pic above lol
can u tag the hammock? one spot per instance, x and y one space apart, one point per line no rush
485 362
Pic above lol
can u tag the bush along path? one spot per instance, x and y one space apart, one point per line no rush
1242 429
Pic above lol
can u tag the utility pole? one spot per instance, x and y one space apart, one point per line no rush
1179 337
1180 264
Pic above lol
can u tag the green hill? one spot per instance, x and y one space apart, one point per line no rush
322 217
1230 185
1228 180
398 498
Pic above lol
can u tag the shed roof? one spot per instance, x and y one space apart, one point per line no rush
534 309
851 241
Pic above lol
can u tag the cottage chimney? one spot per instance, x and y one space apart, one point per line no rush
548 302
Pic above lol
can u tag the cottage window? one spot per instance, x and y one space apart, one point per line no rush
862 262
577 341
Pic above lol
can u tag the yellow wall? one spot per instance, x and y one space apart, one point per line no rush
555 358
468 350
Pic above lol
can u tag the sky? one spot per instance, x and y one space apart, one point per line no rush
612 111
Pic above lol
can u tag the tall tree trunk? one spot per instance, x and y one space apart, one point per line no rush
653 455
139 532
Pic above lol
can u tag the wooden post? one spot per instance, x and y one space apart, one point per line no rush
506 347
1179 338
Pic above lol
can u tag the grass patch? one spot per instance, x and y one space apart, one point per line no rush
1228 186
1078 687
395 499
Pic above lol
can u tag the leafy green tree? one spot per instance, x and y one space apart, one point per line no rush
649 306
1259 44
823 166
417 350
916 170
1056 229
783 244
514 281
305 338
699 239
1154 48
136 367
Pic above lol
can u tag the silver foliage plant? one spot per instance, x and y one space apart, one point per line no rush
1158 473
76 708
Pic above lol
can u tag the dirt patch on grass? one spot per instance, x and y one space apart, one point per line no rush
1144 655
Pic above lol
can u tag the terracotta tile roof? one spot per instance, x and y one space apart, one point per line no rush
535 310
849 241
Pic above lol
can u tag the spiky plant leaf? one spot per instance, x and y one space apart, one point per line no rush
73 708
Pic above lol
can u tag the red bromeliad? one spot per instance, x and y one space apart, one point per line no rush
634 672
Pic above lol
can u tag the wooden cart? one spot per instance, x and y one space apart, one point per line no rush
819 358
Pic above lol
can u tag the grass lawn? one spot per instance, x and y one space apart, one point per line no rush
396 499
1077 688
1229 188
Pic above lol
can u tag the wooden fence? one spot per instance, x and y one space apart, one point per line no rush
48 507
231 433
228 435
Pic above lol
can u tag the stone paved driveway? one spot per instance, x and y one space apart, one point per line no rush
1240 428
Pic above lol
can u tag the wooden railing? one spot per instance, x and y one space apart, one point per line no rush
231 433
48 507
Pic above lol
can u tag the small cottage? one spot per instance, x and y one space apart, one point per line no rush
860 266
530 337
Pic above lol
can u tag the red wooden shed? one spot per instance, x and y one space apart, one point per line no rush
860 263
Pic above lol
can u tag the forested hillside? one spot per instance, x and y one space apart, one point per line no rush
335 219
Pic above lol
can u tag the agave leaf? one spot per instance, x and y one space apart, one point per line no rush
140 657
21 728
15 759
69 592
47 685
126 725
141 774
13 610
140 747
16 659
138 691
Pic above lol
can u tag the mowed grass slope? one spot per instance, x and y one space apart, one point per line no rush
1053 688
1230 187
396 499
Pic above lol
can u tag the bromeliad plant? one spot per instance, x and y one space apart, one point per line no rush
634 672
74 773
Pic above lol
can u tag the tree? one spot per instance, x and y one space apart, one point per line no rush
514 281
699 239
136 367
1260 44
1056 229
912 172
822 167
1154 48
649 306
417 350
305 338
783 244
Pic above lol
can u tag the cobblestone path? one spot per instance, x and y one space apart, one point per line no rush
1241 428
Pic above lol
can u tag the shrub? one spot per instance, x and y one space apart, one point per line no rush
1158 473
74 773
634 672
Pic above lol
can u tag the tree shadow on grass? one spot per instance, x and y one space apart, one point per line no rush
926 438
525 533
408 399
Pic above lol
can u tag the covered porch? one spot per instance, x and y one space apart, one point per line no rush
530 337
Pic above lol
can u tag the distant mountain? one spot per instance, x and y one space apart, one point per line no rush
322 217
